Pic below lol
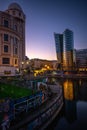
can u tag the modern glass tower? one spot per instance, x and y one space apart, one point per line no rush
59 46
68 47
64 49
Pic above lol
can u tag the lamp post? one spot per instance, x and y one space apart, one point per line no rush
22 63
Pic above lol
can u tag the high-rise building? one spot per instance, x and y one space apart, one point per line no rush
68 48
59 47
12 39
81 59
64 49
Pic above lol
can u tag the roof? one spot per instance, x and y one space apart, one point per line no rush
14 6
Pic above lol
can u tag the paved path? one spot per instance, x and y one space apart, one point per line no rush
28 117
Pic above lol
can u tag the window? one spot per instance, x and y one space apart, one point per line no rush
21 29
15 27
5 48
7 72
6 61
15 40
5 37
5 23
15 61
19 14
13 12
16 50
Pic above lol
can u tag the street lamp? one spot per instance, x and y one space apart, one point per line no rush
27 62
22 64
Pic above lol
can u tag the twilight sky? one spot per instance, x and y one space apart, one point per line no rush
44 17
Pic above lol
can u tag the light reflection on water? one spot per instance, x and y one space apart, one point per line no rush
74 113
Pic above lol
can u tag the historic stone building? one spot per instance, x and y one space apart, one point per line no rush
12 39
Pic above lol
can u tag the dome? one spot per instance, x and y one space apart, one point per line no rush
15 6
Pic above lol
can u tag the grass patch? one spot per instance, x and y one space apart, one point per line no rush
7 90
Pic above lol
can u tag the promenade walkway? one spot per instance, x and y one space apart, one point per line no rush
21 122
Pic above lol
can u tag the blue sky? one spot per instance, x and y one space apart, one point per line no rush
44 17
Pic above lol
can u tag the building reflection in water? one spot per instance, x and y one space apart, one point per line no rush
73 116
69 101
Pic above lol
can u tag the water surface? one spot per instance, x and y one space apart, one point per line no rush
73 116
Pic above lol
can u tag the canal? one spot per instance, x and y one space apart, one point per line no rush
73 115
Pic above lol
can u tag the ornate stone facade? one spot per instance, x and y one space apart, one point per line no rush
12 39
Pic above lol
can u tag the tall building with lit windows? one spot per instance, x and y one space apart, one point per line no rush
64 49
68 48
12 39
59 46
